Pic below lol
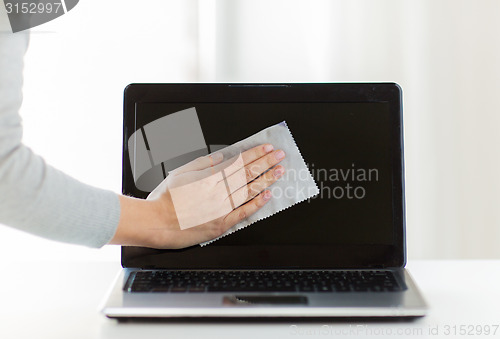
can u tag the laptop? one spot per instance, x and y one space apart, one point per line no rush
341 253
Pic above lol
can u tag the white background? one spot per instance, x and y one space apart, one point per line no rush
444 53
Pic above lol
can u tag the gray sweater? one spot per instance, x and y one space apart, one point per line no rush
35 197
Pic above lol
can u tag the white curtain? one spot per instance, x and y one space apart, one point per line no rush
446 56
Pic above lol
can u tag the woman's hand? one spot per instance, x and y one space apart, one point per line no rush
201 200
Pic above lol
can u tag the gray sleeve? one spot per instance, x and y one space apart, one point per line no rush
35 197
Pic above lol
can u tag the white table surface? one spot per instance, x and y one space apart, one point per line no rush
62 300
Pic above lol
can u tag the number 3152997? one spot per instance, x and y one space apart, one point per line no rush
33 8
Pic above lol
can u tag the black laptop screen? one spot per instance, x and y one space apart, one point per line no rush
350 149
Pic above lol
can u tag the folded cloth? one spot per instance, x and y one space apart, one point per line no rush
295 186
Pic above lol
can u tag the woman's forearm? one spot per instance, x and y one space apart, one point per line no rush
35 197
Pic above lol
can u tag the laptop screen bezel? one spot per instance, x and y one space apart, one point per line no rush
264 257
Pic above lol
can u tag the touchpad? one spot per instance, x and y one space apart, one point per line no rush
261 300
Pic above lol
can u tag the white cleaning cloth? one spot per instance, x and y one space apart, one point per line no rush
296 184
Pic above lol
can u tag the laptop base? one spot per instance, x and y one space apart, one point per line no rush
257 305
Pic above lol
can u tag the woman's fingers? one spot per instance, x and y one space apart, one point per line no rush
249 191
200 163
251 171
215 159
255 153
242 212
208 165
234 164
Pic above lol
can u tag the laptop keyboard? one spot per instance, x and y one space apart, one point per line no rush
261 281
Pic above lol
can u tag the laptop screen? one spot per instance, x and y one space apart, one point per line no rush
353 151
